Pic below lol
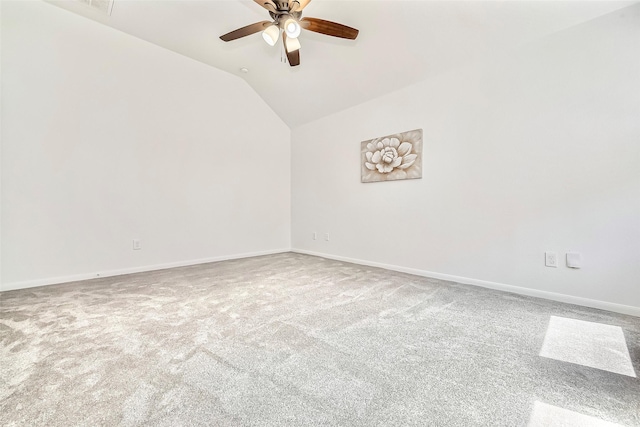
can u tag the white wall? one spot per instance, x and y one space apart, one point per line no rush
1 103
537 151
107 138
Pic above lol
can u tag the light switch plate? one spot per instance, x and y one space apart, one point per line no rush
574 260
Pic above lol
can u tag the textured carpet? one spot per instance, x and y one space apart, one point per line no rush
291 339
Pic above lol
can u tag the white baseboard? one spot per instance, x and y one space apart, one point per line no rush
603 305
586 302
86 276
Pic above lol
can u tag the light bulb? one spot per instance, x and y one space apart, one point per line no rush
292 28
271 34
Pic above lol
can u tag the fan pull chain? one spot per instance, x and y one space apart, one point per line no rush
283 57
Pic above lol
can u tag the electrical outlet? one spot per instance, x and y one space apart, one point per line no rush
551 259
315 236
326 236
137 244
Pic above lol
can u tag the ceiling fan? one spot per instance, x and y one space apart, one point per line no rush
286 15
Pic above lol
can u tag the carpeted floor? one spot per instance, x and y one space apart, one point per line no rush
296 340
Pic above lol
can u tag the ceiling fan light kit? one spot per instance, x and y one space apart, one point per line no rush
292 28
271 35
286 17
291 45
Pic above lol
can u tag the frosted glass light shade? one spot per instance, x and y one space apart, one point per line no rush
292 28
292 44
271 34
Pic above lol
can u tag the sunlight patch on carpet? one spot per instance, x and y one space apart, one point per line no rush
545 415
591 344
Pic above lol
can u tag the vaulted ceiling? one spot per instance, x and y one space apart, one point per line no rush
400 42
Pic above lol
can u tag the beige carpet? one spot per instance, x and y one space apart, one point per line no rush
297 340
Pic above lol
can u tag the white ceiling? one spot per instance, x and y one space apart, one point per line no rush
400 42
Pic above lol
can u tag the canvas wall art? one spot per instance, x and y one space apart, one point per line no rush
392 157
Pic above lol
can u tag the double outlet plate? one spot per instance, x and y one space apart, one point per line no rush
314 236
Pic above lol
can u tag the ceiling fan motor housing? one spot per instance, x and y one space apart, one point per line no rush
277 16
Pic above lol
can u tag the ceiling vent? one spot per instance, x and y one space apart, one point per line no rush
104 6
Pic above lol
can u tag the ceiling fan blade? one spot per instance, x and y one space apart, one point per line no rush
245 31
267 4
294 58
294 55
298 5
329 28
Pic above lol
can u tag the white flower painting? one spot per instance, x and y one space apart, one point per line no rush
392 157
